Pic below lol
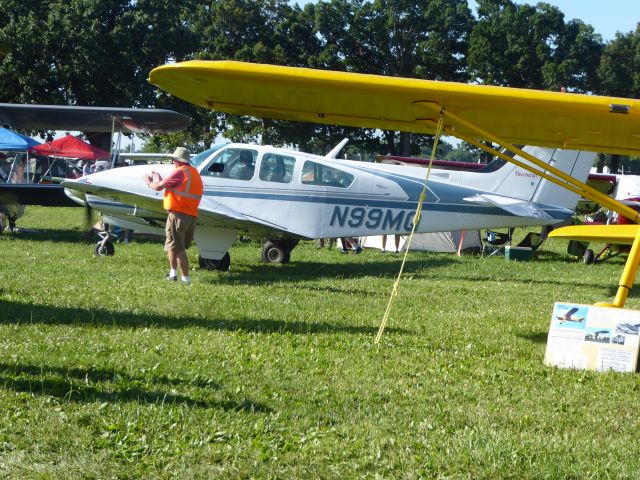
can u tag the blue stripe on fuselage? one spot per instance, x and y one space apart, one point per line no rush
323 197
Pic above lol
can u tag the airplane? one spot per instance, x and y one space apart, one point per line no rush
628 328
29 188
477 114
619 234
290 195
568 316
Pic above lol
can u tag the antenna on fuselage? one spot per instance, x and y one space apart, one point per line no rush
336 150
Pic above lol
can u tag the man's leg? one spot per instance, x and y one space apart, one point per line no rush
182 261
173 261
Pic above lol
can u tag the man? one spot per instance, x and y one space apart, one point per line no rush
182 194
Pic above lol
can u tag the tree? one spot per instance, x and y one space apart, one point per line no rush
531 47
619 72
419 39
619 69
89 52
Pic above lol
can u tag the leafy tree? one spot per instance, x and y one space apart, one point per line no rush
89 52
4 49
263 31
619 69
419 39
619 73
532 47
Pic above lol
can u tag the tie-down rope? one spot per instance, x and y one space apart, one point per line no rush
416 219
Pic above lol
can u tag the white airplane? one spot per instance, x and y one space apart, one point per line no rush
285 196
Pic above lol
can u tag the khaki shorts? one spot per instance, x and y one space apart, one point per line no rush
179 231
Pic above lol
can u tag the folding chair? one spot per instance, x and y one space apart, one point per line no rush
493 243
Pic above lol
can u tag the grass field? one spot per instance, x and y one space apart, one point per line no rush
108 371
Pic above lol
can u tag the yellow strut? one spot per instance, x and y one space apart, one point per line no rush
633 260
586 190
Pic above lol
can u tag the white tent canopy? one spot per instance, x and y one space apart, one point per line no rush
432 242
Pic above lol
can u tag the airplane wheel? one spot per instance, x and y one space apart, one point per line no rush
106 250
589 257
210 264
273 252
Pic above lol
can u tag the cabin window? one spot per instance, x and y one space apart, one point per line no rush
233 163
277 168
318 174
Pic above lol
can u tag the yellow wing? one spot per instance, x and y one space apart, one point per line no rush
619 234
531 117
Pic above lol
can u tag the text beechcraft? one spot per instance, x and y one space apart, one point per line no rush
284 196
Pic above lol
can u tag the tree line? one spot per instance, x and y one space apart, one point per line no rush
99 52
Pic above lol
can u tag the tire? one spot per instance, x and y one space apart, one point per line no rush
275 252
106 250
589 257
224 263
221 265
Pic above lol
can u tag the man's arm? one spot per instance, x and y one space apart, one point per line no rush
155 181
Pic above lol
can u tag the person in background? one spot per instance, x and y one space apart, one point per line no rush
87 168
350 243
182 193
396 240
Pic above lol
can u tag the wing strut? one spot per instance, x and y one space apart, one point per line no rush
559 178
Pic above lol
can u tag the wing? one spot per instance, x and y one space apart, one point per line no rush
619 234
92 119
34 194
521 116
150 207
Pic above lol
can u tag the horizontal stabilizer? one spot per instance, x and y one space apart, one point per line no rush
621 234
514 206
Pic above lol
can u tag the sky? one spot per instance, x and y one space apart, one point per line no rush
606 17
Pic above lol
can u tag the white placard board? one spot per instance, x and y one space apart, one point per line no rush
587 337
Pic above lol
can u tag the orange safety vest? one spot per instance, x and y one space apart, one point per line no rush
185 198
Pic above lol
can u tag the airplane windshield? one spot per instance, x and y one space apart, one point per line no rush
202 156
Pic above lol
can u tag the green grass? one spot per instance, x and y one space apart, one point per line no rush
108 371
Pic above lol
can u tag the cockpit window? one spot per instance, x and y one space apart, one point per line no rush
232 163
277 168
317 174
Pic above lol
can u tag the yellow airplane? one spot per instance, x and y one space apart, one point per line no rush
473 113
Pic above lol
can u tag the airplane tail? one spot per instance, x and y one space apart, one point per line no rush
520 191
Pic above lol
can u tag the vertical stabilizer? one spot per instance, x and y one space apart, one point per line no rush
572 162
516 182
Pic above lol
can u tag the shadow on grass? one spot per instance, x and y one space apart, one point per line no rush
98 385
55 236
70 236
262 273
535 337
27 314
633 293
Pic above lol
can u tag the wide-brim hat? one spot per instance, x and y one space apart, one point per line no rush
181 154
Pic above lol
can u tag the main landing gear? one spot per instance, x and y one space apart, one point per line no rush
277 251
104 247
210 264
